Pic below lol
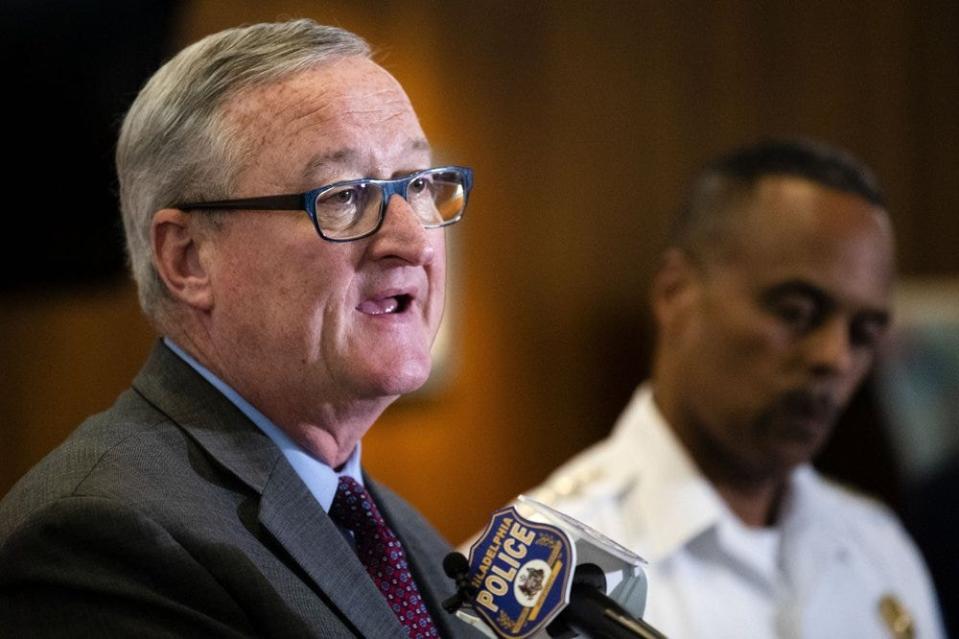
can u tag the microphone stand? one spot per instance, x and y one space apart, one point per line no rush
595 615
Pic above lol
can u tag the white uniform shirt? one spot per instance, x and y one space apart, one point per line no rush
823 571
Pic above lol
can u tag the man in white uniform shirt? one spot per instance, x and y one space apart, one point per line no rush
770 303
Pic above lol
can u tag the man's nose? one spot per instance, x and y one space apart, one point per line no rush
829 349
402 235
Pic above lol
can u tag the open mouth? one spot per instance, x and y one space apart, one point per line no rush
387 305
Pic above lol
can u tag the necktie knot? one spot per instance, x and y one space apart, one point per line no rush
353 508
382 555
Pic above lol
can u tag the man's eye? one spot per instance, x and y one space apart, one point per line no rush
344 196
800 314
347 196
867 331
419 185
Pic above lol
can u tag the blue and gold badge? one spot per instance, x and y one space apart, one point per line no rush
522 571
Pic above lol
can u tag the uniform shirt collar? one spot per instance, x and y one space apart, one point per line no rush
321 479
672 503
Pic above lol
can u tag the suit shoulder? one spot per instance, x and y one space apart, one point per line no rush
122 439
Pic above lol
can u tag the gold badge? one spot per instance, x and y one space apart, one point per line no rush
897 618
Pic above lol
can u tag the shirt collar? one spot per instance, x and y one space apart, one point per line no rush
672 502
321 479
810 503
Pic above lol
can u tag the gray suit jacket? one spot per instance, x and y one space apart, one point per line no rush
171 514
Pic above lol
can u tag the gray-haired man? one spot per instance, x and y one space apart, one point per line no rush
284 225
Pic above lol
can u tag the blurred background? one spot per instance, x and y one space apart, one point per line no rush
583 122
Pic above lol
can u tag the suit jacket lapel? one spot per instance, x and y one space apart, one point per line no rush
287 509
291 514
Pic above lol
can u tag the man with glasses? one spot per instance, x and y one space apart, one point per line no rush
284 224
770 301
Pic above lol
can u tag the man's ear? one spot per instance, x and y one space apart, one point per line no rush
675 288
176 241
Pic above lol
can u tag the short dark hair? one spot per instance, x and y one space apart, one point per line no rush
735 174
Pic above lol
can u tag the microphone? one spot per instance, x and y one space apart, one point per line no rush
457 568
547 575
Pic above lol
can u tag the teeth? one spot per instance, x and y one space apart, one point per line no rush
379 307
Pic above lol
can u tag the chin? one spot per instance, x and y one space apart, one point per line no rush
402 378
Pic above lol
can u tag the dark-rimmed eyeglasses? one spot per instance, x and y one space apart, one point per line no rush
354 209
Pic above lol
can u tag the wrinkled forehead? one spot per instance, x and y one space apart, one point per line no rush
348 111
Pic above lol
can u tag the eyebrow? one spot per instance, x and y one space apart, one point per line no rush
352 156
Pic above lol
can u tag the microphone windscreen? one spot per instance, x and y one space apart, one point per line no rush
455 564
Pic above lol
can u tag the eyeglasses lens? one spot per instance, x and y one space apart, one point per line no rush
353 210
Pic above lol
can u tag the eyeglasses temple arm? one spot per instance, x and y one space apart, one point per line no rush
290 202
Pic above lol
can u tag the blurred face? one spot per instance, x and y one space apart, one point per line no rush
764 345
301 324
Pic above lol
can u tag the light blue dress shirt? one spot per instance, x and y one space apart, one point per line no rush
320 479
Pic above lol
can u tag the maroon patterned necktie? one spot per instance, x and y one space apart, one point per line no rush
381 553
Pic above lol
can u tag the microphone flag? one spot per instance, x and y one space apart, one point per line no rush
522 572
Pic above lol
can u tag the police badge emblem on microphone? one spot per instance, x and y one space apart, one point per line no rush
522 572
